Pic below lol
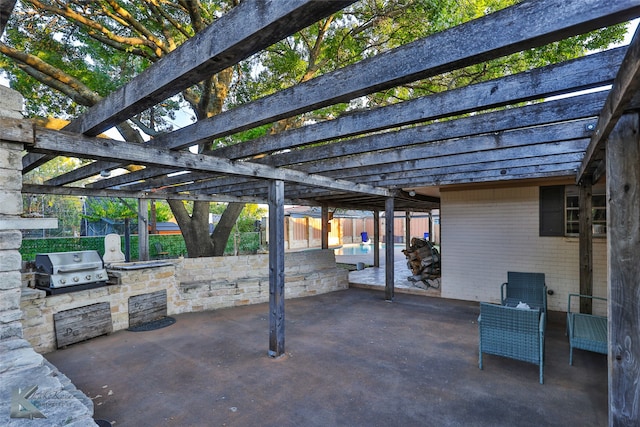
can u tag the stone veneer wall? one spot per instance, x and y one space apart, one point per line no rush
20 366
192 284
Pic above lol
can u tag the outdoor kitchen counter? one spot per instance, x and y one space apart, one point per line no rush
191 285
124 282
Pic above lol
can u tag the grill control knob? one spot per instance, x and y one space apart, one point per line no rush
76 278
99 275
88 277
63 281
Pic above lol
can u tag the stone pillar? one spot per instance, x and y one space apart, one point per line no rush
20 366
10 209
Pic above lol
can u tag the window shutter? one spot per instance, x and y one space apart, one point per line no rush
552 210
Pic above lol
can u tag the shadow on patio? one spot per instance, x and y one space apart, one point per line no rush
352 359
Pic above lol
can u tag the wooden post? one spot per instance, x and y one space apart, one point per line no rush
127 240
407 229
376 239
153 228
586 245
276 268
623 245
143 230
290 240
388 250
325 226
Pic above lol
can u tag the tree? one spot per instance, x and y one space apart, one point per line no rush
67 209
98 209
66 55
247 218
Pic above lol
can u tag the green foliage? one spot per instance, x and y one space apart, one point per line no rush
246 221
117 209
163 211
67 209
247 243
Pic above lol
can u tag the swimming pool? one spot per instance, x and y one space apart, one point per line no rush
361 249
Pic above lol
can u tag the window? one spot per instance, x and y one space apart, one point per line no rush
560 211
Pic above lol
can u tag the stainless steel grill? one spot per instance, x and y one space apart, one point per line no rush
65 269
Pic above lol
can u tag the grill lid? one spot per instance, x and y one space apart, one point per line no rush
59 269
65 262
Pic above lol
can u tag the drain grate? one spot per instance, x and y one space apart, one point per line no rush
154 324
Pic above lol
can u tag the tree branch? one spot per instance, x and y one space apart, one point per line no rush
51 76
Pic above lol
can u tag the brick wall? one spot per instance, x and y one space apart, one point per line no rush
487 232
192 284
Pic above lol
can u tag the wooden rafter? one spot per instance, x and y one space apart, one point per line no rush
624 88
71 144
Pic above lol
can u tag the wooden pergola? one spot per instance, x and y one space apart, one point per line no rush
392 158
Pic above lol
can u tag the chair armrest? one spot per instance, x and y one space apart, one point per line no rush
542 322
581 296
502 292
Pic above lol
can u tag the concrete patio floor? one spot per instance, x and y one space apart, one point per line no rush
374 277
352 359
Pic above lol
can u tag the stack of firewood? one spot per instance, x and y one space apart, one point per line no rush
423 259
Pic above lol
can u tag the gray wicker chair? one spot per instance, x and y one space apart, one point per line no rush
586 331
529 288
512 332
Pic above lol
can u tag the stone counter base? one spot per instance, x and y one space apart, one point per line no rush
192 284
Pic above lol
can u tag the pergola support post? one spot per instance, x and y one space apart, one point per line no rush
388 250
324 214
586 245
276 268
623 245
407 230
143 230
376 239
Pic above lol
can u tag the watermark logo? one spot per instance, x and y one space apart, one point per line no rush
21 407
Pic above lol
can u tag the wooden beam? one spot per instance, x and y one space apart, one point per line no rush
523 26
389 276
470 132
60 142
516 173
503 162
477 149
420 149
248 28
96 168
156 195
585 226
623 266
154 177
533 115
519 27
276 268
624 88
588 72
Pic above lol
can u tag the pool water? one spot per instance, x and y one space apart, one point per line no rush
360 249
